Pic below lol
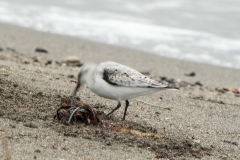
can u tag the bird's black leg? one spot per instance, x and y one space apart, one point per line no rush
118 106
76 88
73 99
125 111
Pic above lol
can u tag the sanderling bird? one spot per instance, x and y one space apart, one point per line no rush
116 81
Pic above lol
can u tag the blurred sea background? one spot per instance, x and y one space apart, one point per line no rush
206 31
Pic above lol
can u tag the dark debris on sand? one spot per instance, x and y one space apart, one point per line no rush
129 133
77 113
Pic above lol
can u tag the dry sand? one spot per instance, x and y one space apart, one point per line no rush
202 122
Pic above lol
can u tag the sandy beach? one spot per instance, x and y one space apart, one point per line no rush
199 121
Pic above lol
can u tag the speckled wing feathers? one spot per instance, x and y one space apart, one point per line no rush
120 75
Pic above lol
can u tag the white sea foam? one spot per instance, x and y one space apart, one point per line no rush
136 7
127 30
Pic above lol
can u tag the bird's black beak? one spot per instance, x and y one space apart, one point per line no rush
78 85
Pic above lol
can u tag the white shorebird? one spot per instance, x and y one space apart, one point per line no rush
116 81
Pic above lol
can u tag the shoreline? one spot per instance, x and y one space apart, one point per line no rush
99 52
201 122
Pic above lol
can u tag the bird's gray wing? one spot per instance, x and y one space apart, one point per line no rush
120 75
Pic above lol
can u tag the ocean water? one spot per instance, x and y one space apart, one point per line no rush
206 31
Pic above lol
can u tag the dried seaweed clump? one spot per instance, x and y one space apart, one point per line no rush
77 113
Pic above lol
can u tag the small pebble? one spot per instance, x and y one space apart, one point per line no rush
145 73
35 59
40 94
190 74
48 62
198 83
235 90
58 63
73 81
163 78
26 62
64 64
41 50
37 151
222 90
70 76
72 59
78 64
171 80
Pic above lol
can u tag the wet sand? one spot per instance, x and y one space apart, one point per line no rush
202 122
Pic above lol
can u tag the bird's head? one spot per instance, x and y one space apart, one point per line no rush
84 75
85 72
